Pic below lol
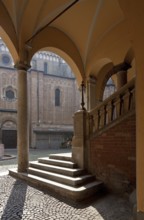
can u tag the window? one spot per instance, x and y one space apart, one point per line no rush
45 67
10 94
5 59
57 97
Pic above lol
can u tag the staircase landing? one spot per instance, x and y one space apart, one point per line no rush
60 174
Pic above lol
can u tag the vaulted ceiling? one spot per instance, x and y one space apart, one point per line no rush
82 31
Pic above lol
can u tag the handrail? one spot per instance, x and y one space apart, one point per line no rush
115 106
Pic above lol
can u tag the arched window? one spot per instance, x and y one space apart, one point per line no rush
109 89
45 67
57 97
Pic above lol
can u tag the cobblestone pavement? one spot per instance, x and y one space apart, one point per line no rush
20 201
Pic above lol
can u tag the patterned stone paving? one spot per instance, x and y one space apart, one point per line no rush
20 201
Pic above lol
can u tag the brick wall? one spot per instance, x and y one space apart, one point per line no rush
113 155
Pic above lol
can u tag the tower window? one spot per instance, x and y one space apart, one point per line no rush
57 97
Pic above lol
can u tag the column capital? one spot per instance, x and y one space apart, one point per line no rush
22 66
91 79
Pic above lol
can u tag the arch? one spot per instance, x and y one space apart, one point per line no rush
54 40
114 45
10 44
129 56
97 67
104 74
101 70
8 118
8 33
104 68
9 132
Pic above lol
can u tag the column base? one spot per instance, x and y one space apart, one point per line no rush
138 215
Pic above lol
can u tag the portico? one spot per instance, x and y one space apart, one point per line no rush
93 37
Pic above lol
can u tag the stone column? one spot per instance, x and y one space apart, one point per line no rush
121 79
91 93
22 121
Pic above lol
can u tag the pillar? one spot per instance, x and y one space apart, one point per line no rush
22 120
79 147
91 93
140 138
121 79
134 16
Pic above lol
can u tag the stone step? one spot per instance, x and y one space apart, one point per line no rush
60 170
75 193
62 163
71 181
62 156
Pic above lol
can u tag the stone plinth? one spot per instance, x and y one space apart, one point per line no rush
1 150
78 142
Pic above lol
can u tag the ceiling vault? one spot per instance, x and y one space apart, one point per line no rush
56 17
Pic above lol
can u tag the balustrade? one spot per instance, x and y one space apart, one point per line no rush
112 108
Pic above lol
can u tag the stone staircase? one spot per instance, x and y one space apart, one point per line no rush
60 174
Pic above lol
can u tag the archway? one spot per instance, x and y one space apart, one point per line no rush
55 97
9 134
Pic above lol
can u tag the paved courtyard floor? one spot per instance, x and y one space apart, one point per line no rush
21 201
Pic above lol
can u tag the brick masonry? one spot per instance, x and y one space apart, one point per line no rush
113 155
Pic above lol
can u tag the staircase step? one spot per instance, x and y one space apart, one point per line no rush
60 170
47 160
62 156
72 181
75 193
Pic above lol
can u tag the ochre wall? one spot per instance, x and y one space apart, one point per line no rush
112 156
